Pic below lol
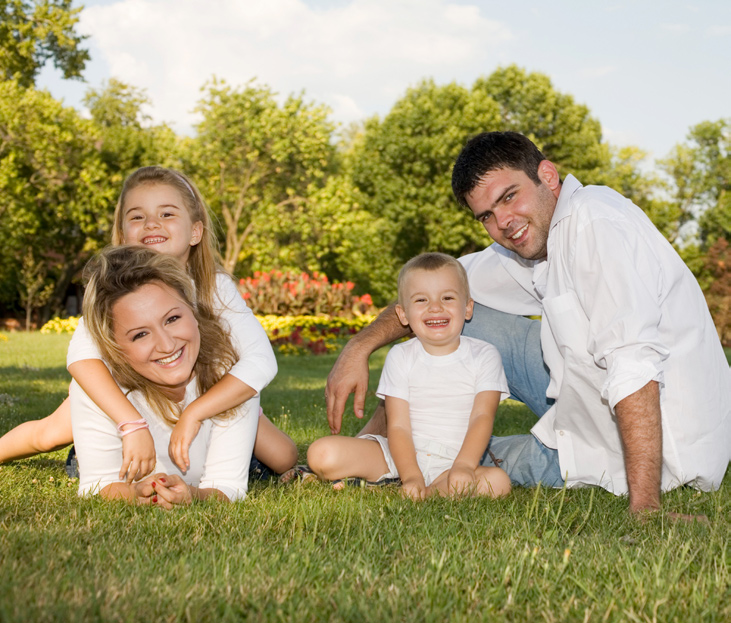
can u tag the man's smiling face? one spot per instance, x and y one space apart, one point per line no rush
515 211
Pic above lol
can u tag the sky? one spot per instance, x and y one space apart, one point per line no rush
647 69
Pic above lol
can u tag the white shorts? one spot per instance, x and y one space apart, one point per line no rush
432 457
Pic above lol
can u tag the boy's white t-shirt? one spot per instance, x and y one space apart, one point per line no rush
256 366
441 390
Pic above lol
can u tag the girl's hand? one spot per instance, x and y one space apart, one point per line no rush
170 490
138 456
460 480
184 432
414 489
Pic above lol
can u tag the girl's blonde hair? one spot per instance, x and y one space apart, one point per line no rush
202 261
118 271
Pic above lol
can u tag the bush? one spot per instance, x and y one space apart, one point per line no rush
281 294
61 325
297 335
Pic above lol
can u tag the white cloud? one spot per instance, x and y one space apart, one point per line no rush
719 31
370 49
675 28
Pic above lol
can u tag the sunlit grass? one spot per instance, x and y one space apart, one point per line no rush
307 553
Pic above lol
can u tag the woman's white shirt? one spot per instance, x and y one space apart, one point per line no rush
219 455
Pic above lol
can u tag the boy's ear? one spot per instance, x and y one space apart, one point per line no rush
470 308
196 234
401 315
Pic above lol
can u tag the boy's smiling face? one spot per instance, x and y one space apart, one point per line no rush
435 306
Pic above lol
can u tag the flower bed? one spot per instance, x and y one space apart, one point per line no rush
61 325
297 335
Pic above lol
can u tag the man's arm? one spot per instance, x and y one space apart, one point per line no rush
640 428
350 372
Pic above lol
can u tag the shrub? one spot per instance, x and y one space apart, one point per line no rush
61 325
296 335
278 293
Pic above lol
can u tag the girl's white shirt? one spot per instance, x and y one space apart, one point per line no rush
256 366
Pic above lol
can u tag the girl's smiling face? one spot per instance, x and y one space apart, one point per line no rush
158 334
155 216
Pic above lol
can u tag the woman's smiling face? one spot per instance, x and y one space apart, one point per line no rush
158 334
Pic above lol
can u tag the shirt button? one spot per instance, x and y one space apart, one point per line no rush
560 433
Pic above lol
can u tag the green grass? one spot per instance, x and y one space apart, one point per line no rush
306 553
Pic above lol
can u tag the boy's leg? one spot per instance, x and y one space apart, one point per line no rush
335 457
490 481
29 438
518 339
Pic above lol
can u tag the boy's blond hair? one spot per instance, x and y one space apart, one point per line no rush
431 262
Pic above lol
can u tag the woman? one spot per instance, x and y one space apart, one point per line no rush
166 351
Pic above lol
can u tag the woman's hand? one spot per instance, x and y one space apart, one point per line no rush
138 455
170 490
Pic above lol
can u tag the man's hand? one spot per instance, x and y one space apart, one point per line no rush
350 372
348 375
138 455
184 432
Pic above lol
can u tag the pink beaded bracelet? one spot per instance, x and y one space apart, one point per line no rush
136 425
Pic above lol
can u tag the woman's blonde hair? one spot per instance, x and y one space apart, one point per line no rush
202 261
118 271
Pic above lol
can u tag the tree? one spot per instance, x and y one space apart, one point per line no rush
330 232
56 202
128 138
32 33
252 157
403 164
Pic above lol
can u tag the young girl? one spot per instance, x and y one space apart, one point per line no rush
162 209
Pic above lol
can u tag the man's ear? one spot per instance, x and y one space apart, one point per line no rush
548 174
470 309
401 315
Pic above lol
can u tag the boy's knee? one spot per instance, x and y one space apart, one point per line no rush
322 456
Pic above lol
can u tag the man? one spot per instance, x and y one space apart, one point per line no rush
639 393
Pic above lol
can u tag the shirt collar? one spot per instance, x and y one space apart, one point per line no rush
563 206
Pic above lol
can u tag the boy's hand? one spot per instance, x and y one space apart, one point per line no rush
460 480
184 432
414 489
138 455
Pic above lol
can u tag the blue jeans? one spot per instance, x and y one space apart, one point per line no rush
525 459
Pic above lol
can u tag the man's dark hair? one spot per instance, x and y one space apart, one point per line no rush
491 151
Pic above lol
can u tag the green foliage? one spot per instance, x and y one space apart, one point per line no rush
701 172
128 140
32 33
283 294
403 164
57 204
718 292
253 157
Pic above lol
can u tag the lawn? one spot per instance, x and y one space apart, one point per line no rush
307 553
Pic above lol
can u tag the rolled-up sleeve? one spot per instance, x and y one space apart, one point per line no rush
622 300
257 365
